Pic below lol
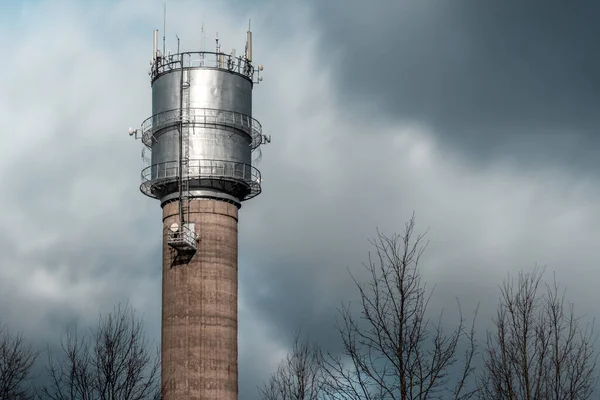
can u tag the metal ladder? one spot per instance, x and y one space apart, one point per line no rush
183 238
184 201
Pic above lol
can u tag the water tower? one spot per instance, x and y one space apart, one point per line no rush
200 145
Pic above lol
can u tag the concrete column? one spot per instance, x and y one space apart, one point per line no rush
199 306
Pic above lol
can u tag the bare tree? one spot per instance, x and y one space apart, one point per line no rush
392 350
538 349
112 362
16 359
299 376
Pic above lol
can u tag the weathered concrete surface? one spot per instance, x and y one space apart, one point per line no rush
199 307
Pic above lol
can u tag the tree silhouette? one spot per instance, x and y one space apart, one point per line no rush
299 376
392 350
538 349
112 362
16 359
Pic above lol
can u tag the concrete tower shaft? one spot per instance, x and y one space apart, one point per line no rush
199 315
198 146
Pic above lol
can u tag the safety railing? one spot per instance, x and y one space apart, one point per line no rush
201 59
202 116
183 238
167 172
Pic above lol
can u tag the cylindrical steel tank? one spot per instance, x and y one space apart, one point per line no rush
212 107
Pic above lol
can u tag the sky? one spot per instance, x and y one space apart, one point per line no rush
478 117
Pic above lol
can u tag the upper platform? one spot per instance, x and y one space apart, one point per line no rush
152 126
161 65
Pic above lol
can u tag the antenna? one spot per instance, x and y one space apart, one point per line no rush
202 44
154 44
249 43
218 51
202 37
177 43
164 28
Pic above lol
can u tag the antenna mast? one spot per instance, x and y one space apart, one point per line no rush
218 51
202 44
202 38
164 29
249 43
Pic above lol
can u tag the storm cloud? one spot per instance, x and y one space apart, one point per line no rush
480 118
505 78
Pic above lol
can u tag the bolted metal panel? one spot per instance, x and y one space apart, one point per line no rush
209 88
212 143
167 148
204 144
165 92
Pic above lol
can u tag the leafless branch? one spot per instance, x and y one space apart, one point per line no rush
537 349
114 362
299 376
16 359
392 350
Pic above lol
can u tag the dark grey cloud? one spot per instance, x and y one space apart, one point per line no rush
504 78
366 106
367 131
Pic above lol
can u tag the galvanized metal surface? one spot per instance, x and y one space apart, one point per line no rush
211 194
209 88
154 126
204 144
215 116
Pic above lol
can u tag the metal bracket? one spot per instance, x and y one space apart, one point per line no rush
266 139
135 133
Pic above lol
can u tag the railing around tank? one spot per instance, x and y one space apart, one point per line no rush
202 116
167 172
201 59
